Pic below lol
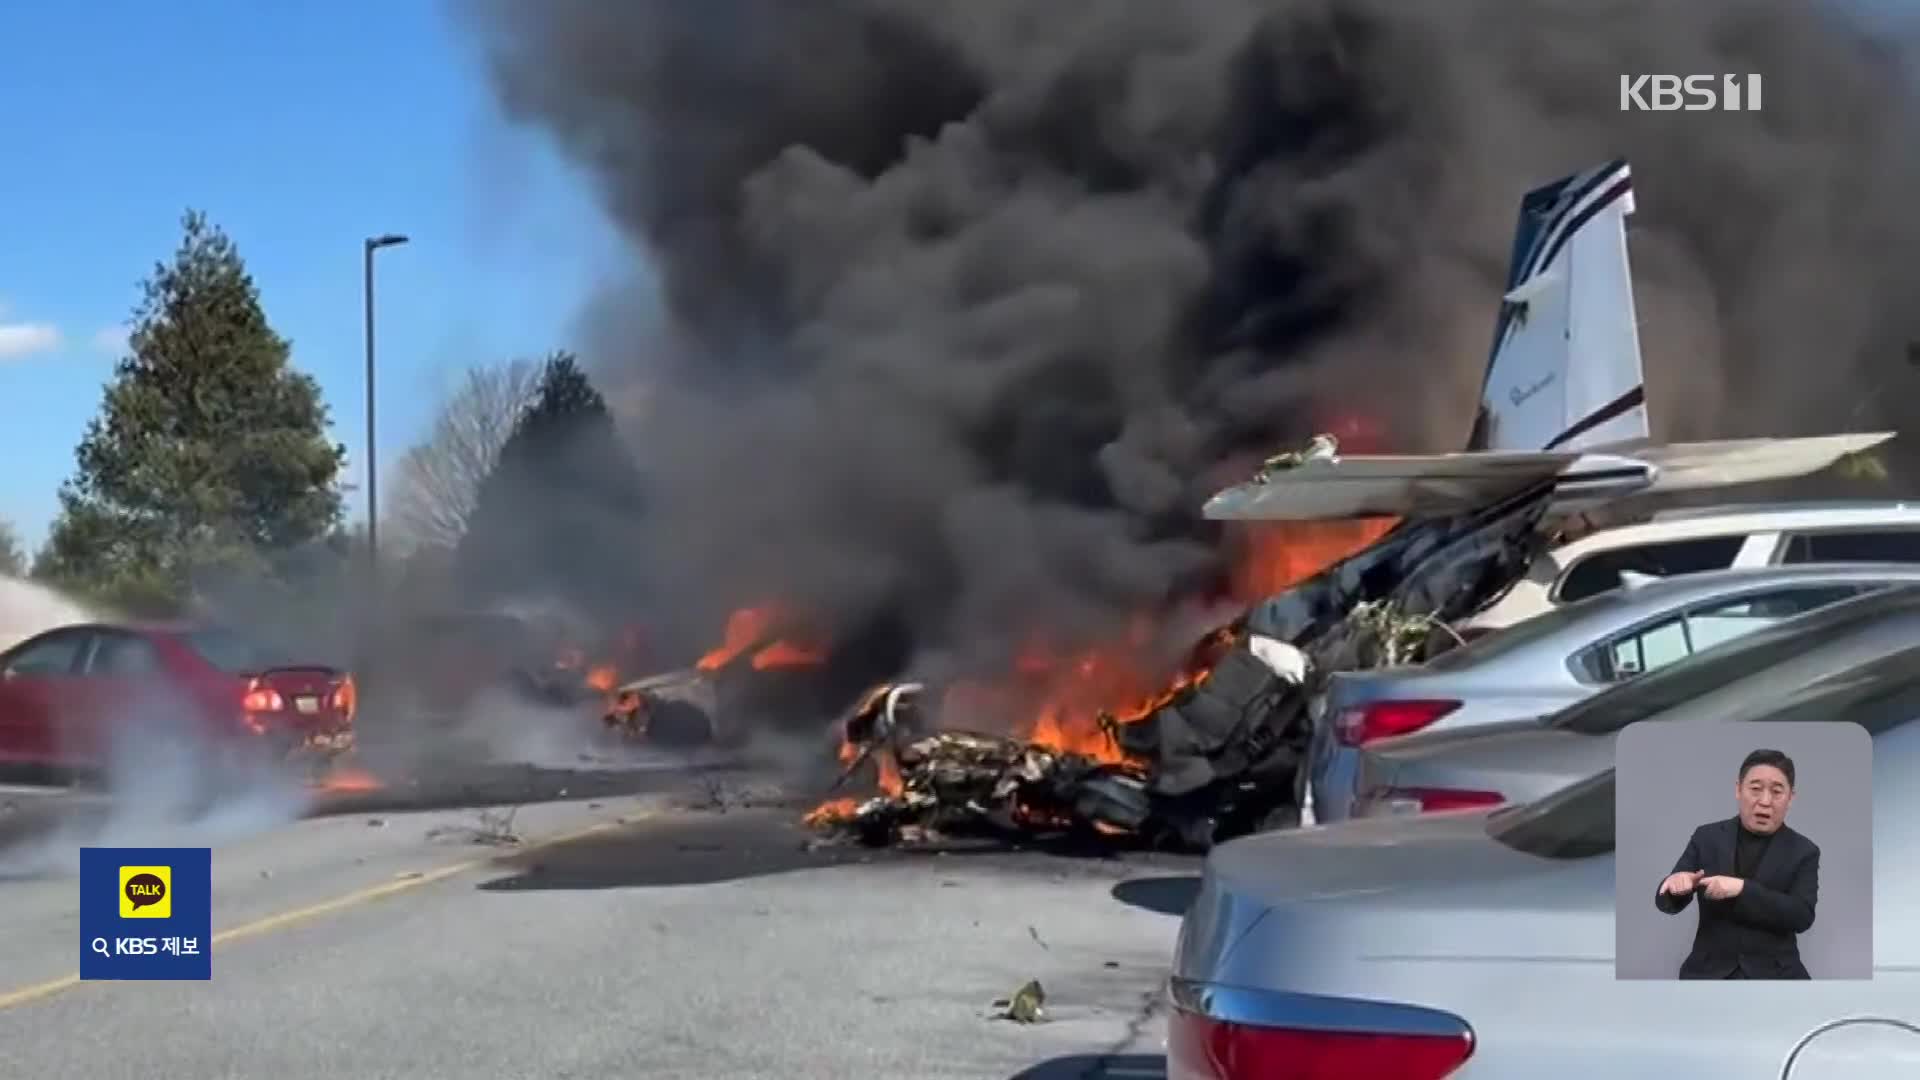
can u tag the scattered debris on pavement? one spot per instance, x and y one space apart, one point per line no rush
1026 1006
495 829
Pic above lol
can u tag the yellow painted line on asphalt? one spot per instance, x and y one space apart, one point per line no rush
340 903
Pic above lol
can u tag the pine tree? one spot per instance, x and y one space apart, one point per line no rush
550 517
209 455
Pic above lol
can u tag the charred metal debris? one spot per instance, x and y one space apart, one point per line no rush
1223 756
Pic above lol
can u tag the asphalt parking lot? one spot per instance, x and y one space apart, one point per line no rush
590 923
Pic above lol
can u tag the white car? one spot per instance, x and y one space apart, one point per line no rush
1688 541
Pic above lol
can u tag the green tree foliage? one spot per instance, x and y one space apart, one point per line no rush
551 518
13 561
209 457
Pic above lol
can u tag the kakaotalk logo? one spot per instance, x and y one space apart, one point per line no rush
144 892
1694 93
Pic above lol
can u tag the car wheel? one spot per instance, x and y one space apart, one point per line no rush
678 724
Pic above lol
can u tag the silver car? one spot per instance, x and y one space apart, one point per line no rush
1547 663
1520 760
1478 944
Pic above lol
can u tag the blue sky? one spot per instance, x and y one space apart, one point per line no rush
300 129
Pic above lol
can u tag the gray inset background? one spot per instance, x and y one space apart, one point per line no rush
1673 777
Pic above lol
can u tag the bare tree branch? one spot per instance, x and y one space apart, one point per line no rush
435 482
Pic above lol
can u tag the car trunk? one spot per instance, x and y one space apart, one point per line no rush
1432 912
1519 760
298 699
1270 903
1478 696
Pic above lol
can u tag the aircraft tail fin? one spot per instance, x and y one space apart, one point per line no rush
1565 371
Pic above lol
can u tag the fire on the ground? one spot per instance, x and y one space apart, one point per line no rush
760 654
1113 741
1220 751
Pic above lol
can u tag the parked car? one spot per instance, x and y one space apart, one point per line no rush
68 693
1478 944
1692 540
1525 759
1552 661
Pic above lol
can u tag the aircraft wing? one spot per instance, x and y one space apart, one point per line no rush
1386 486
1687 466
1416 486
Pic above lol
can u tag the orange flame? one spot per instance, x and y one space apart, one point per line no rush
346 779
889 781
785 654
749 628
1124 678
603 678
1055 699
1275 556
833 810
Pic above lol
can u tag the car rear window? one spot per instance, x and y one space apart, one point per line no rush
1701 626
1850 545
1521 634
1577 822
235 653
1601 571
1658 691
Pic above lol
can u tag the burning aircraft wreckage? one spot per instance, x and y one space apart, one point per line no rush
1562 431
1221 752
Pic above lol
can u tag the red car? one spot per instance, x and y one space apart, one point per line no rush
64 692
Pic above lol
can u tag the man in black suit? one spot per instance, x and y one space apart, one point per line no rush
1758 881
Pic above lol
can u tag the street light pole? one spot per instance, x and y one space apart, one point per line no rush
373 503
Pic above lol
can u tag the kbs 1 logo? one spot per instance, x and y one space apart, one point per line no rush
1694 93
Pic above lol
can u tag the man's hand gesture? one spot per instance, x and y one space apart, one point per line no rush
1681 882
1723 887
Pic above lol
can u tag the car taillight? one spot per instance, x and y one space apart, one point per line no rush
1361 724
1329 1040
344 696
261 699
1392 801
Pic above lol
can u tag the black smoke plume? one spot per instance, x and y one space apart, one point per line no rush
969 305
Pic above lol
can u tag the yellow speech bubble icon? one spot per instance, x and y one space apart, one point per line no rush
146 892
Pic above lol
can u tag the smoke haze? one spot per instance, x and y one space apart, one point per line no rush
968 305
27 608
157 786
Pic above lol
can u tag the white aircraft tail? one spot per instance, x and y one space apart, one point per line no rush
1565 371
1564 397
